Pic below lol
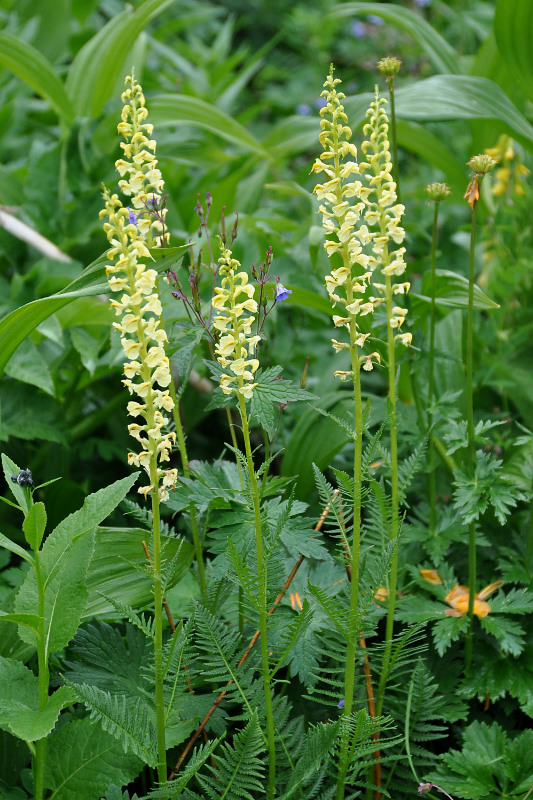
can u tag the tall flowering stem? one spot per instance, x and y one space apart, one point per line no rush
347 287
236 315
384 216
130 231
480 166
437 192
389 67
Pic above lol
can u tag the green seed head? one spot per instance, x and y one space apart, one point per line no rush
438 191
389 66
482 163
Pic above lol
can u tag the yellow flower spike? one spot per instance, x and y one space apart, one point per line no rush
147 370
236 343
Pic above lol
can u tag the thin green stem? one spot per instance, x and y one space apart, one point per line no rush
44 682
529 548
395 514
262 592
431 377
182 447
158 626
470 453
394 138
354 621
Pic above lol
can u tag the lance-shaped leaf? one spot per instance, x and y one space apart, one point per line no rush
65 559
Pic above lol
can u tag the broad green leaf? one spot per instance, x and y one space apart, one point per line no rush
99 67
112 570
168 109
19 702
452 291
30 621
27 365
15 548
34 525
309 299
513 27
87 346
83 761
65 559
453 97
19 323
443 56
419 140
28 414
34 69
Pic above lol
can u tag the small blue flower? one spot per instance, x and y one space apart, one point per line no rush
320 102
303 109
132 217
422 3
375 20
358 29
282 293
340 704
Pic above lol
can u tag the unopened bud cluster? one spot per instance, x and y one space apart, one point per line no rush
236 307
147 368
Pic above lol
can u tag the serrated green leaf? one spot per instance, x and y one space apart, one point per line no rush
15 548
19 702
508 632
83 760
97 71
34 525
32 67
30 621
65 559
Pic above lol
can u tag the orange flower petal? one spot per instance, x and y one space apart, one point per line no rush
488 590
431 576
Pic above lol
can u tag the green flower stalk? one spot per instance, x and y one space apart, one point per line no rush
384 215
437 192
236 315
389 67
347 285
147 368
480 166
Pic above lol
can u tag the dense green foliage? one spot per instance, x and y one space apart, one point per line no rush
98 678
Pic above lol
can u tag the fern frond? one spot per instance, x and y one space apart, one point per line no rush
292 633
132 723
318 746
332 607
238 769
219 648
244 576
173 789
408 467
144 516
140 621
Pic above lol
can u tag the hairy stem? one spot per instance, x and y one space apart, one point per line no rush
182 447
44 681
262 592
470 453
431 379
158 627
